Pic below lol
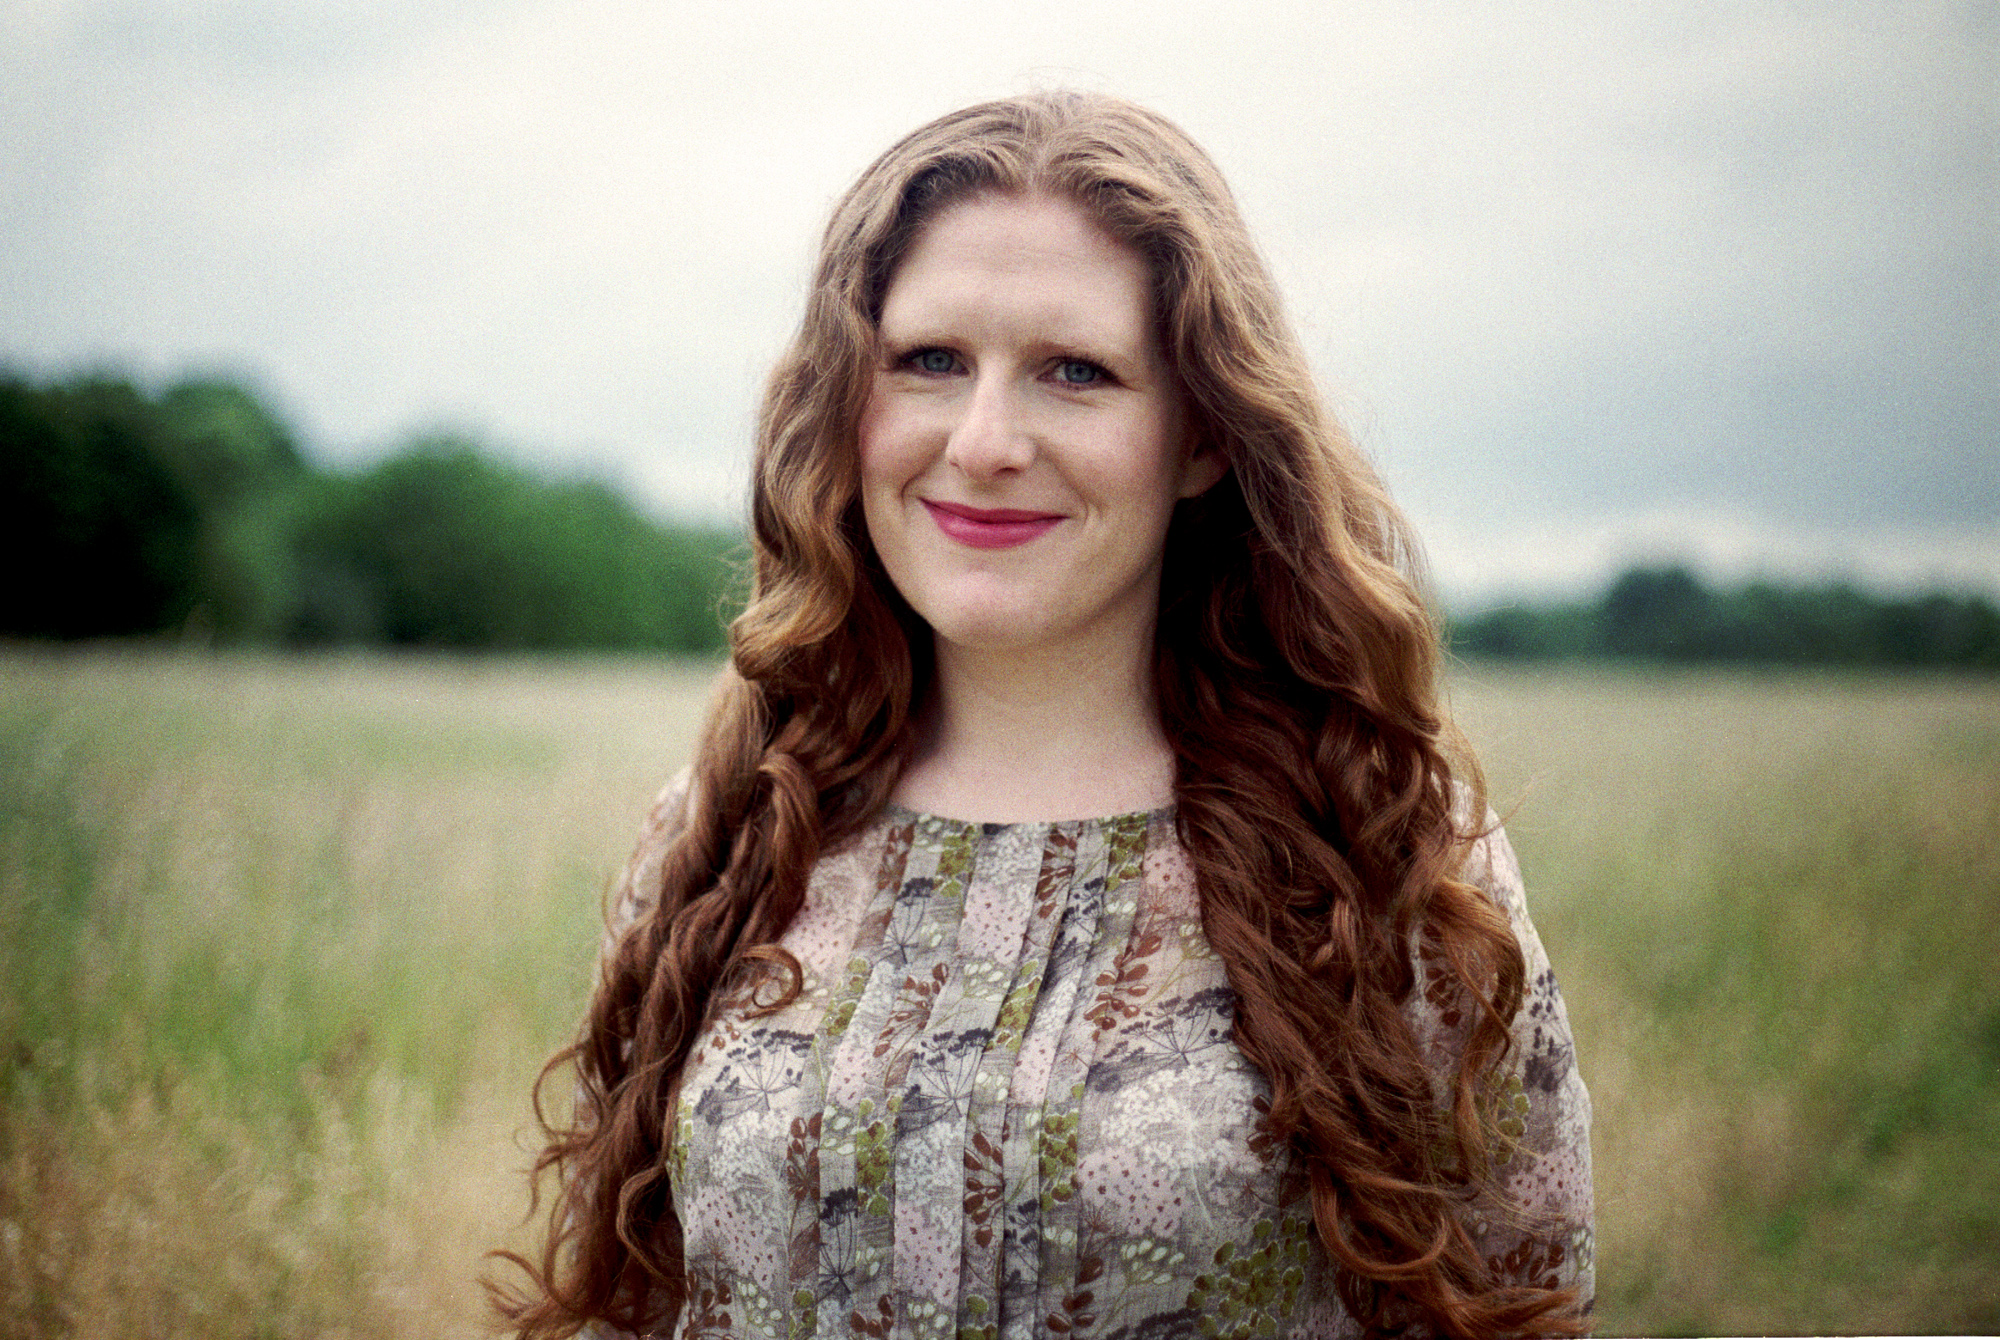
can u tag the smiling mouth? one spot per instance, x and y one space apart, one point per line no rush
989 527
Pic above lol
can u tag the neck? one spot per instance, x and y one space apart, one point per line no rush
1070 732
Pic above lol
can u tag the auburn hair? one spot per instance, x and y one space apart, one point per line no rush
1324 799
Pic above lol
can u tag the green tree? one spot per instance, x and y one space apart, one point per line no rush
101 535
196 512
1659 612
243 468
1667 614
441 546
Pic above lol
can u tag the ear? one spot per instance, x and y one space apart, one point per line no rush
1201 471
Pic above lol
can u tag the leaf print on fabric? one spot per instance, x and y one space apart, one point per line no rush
1441 991
677 1154
983 1185
1057 1152
1510 1107
1058 870
1147 1261
878 1324
912 1010
1249 1289
1015 1013
1126 845
1532 1262
802 1189
1126 980
802 1158
841 1014
873 1162
706 1312
923 1319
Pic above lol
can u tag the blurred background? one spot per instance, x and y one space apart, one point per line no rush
376 387
1594 285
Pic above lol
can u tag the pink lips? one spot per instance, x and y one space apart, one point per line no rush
989 527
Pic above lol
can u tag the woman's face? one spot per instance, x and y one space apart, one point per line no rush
1023 443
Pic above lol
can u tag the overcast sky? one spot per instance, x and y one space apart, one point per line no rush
1591 282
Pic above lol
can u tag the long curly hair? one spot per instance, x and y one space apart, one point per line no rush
1323 797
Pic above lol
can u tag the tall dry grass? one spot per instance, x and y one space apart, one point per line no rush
284 943
1772 902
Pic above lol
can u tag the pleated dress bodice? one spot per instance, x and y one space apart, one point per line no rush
1007 1103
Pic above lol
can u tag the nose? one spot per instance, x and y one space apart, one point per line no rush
990 437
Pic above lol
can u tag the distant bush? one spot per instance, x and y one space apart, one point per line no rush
1667 614
195 512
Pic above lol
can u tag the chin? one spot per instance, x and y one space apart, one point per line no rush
988 628
987 634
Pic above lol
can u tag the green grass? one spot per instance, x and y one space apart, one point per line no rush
285 941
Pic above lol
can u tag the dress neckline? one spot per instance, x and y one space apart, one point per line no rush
897 812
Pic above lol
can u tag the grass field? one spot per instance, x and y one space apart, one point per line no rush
285 941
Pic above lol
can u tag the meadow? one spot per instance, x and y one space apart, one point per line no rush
285 941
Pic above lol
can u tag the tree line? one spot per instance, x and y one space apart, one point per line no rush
1667 614
194 512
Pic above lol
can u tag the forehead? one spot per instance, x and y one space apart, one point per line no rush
1032 258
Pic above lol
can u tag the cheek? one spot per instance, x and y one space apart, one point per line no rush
881 443
1154 467
878 510
868 439
881 480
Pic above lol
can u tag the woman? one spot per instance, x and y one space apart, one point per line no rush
1050 525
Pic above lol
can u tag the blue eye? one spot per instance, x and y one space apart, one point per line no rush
1076 372
935 360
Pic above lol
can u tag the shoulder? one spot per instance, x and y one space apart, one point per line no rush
1490 863
1443 1011
638 886
1492 867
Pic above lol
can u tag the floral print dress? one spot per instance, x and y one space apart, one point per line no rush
1007 1104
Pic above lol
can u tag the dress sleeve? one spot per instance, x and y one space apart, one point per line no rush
638 886
1539 1229
635 893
